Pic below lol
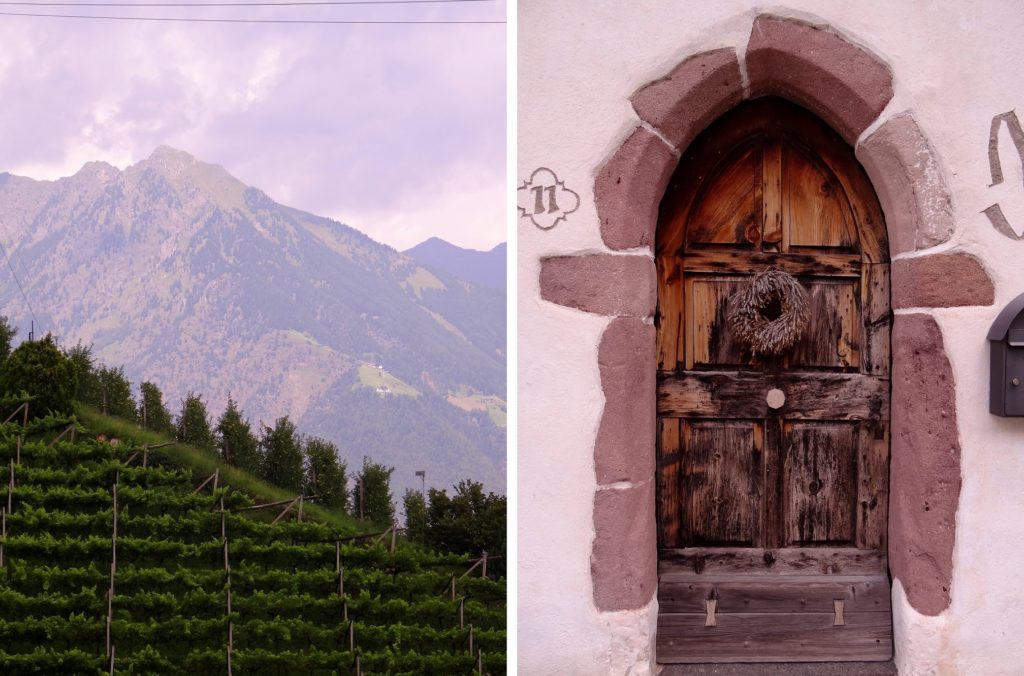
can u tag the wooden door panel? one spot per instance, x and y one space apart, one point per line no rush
722 466
877 319
820 484
709 340
728 211
832 338
815 211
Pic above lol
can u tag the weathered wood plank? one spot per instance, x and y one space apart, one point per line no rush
728 208
832 337
820 396
877 319
711 339
774 637
669 317
775 594
872 485
774 432
772 200
717 261
676 564
668 499
722 470
820 484
815 209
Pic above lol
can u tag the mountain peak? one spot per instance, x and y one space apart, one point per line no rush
166 156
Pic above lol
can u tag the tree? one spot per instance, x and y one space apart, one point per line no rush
194 424
87 389
281 449
235 440
375 488
39 368
468 522
7 333
152 414
115 393
325 473
415 516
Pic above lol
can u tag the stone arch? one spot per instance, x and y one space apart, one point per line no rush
848 87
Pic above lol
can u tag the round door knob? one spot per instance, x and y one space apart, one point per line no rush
776 398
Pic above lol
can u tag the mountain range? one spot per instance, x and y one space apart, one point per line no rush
485 268
191 279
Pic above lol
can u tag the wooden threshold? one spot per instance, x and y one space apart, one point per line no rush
809 605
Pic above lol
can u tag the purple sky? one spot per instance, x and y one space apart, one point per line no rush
398 131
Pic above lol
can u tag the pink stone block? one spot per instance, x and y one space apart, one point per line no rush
925 468
692 96
604 284
625 439
624 559
817 68
629 188
941 280
913 194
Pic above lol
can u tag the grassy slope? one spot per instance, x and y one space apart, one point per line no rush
204 464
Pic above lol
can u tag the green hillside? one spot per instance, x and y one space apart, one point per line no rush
179 580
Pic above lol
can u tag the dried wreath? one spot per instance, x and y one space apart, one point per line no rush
770 313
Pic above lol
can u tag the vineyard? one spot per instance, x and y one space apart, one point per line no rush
115 558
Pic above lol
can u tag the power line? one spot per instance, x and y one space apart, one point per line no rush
18 281
297 3
283 21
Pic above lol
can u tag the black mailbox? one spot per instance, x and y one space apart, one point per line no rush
1006 387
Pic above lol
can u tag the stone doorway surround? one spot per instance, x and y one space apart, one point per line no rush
849 88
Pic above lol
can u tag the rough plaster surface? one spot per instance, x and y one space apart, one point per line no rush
940 280
600 283
905 172
692 96
637 173
844 84
579 64
924 477
624 563
624 450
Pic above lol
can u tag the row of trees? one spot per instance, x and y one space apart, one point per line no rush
278 454
469 521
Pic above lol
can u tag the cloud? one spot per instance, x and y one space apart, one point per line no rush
394 125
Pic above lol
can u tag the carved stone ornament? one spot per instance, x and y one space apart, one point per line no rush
770 313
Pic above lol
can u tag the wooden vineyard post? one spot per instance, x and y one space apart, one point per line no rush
394 532
10 489
338 569
479 661
227 572
359 668
113 572
462 613
3 535
352 637
453 587
300 509
471 639
18 456
483 565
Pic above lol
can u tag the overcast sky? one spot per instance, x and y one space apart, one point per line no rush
396 130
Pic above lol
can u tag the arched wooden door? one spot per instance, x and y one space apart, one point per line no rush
772 520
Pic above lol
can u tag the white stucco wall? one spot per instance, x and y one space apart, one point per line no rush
955 65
